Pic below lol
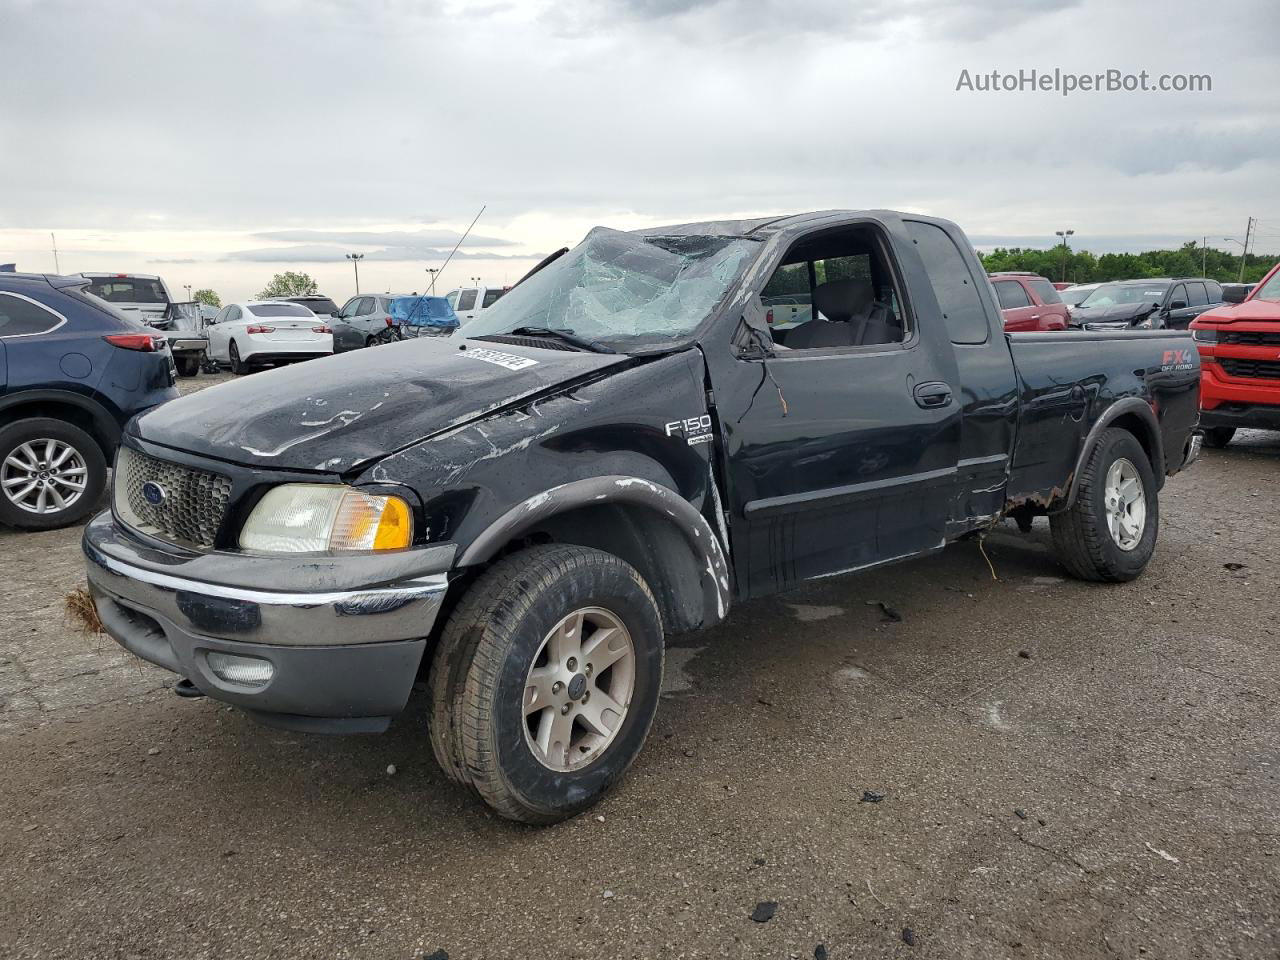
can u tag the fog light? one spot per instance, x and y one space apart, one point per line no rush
246 671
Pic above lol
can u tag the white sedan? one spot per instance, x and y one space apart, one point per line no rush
247 335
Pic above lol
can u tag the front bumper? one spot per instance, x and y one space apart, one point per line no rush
1244 416
344 636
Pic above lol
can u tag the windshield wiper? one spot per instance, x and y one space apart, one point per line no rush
595 346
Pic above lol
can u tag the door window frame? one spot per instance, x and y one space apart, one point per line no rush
911 329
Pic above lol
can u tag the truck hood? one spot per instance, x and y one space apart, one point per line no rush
345 411
1251 311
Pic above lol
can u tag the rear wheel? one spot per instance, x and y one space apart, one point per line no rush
1218 437
1110 531
52 474
237 365
546 681
188 364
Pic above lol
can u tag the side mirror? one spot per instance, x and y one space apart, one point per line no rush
1234 294
1177 304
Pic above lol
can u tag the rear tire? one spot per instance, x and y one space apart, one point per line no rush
1218 437
1088 537
25 441
188 365
497 660
238 366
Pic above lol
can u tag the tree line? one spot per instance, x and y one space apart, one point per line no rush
1083 266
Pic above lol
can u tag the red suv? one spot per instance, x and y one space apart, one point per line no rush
1239 347
1029 303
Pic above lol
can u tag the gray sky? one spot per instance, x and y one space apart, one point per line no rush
216 143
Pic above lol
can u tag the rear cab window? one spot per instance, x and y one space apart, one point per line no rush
467 300
953 283
128 290
491 297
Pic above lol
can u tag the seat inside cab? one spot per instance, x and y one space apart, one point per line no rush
834 289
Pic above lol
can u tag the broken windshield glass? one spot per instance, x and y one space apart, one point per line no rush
617 286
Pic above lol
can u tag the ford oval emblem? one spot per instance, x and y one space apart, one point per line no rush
153 493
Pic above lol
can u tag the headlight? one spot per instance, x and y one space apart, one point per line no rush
315 517
1205 336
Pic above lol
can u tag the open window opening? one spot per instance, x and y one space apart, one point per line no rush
835 289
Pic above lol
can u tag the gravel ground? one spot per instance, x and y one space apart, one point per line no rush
1030 767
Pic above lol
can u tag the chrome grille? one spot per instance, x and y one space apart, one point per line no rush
191 503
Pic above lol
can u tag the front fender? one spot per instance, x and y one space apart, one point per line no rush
663 503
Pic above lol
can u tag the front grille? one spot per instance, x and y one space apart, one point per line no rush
186 507
1257 369
1249 338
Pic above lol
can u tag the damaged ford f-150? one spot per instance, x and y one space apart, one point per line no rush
618 450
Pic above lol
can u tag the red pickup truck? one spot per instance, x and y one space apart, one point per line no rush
1239 347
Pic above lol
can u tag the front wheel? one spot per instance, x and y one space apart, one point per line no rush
546 680
1218 437
1110 531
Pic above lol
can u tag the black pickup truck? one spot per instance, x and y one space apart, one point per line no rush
618 450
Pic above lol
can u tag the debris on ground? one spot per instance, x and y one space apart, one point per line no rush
890 615
1163 854
83 613
608 894
391 769
870 796
759 861
1233 567
688 753
153 751
764 911
1020 814
436 955
820 952
1025 654
908 936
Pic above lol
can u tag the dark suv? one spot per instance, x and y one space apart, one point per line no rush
73 370
1156 303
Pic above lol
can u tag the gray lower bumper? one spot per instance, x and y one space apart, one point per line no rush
346 654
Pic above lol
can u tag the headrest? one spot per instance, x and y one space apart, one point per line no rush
843 299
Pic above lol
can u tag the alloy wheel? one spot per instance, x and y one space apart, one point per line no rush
578 689
43 476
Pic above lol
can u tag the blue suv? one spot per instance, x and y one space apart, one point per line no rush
73 370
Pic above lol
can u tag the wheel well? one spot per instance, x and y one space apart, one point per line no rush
650 542
1141 431
71 413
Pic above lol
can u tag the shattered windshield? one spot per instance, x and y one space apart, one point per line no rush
624 289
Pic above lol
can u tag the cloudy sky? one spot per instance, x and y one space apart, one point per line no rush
218 143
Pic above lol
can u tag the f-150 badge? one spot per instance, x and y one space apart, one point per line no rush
695 430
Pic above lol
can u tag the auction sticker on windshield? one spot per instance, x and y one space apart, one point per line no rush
509 360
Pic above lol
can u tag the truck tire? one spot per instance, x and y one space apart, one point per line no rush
534 630
188 364
1110 531
1218 437
41 454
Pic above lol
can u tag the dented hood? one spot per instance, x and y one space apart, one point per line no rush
340 412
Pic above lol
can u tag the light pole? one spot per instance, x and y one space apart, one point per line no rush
187 287
1242 249
433 271
1064 234
355 259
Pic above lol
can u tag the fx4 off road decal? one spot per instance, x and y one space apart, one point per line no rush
695 430
1177 360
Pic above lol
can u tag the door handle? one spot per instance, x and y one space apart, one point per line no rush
1035 316
931 395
